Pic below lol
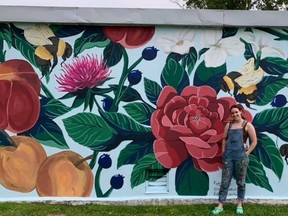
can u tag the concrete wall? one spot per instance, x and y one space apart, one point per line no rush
134 92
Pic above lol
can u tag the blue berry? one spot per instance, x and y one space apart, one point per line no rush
134 77
117 181
105 161
149 53
107 103
279 101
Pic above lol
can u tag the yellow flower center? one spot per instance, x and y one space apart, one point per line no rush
180 43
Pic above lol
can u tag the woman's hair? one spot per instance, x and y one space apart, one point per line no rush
240 108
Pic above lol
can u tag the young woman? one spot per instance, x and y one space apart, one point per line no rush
235 156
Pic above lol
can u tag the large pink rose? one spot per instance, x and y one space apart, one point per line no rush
190 125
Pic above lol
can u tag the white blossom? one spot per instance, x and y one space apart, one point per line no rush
179 43
220 48
263 43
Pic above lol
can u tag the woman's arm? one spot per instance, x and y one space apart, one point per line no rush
252 135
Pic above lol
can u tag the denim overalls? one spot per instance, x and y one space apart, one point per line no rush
235 162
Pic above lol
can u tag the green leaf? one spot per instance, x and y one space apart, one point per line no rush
113 54
281 34
175 56
91 131
268 89
268 154
6 34
140 112
209 76
129 94
125 126
139 172
133 152
48 133
63 31
4 141
274 65
189 181
174 75
88 99
202 51
229 31
91 37
152 90
52 139
256 174
2 51
274 121
248 50
190 59
53 108
19 42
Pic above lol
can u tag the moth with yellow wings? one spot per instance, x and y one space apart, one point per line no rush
243 83
49 47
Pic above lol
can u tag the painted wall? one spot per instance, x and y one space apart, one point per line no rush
87 111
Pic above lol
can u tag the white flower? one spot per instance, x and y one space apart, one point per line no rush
220 48
263 43
179 43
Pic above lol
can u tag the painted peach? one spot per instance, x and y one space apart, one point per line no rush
62 175
19 164
129 37
19 99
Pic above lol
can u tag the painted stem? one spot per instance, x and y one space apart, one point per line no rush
98 190
108 192
46 91
123 78
93 160
84 159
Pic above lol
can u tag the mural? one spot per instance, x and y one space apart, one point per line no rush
80 103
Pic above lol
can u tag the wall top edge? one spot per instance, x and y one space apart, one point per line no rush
140 16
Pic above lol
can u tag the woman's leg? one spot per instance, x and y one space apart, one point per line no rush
227 173
240 174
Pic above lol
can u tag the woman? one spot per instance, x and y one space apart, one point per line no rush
235 156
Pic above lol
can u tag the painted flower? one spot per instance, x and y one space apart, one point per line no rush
130 37
264 43
220 48
85 72
179 43
190 125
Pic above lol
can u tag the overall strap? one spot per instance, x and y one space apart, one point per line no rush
244 123
230 125
245 134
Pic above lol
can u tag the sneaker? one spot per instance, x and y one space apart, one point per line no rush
217 211
239 210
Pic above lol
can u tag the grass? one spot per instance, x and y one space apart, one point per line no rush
42 209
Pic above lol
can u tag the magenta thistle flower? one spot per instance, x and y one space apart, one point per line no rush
83 73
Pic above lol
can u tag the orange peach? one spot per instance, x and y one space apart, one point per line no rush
19 164
62 175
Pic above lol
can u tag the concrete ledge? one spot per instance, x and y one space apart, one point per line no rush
138 16
153 201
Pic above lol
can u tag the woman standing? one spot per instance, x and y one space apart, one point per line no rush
235 156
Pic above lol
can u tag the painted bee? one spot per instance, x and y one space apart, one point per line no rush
49 47
243 83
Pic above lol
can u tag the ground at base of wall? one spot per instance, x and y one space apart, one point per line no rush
139 202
